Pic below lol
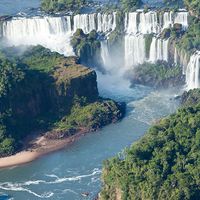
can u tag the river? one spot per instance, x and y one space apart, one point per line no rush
68 173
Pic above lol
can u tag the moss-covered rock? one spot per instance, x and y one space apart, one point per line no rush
39 88
148 40
190 98
159 75
88 117
87 47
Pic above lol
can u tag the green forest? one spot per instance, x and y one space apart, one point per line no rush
164 164
42 91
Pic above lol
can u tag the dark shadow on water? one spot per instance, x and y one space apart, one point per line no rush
4 197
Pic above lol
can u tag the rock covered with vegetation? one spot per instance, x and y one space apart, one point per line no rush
190 41
193 6
40 89
130 5
76 5
164 164
87 47
190 98
61 5
159 75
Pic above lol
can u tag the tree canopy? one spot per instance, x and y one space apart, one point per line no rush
164 164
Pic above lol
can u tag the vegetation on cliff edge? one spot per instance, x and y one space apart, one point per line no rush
164 164
160 74
41 90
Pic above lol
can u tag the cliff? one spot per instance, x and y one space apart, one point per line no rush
40 89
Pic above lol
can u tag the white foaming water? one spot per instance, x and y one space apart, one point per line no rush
134 50
54 32
148 22
192 71
105 56
106 22
158 50
18 188
139 23
51 32
22 187
85 22
181 18
131 22
153 22
167 20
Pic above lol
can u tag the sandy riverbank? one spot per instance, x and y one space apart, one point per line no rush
39 147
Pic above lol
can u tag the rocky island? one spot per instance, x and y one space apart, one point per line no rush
47 101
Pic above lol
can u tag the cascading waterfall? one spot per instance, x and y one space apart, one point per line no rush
153 22
85 22
105 56
158 50
181 18
192 71
54 32
148 23
138 24
167 20
51 32
134 50
106 22
131 25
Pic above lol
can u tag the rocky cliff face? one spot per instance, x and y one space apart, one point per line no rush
41 92
44 91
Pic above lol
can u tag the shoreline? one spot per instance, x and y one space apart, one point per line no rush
40 146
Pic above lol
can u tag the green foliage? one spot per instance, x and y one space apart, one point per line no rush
164 164
60 5
31 93
130 5
160 74
91 116
10 75
148 40
87 47
194 6
40 58
191 39
38 88
190 98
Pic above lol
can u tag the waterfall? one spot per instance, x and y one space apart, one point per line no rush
192 71
107 63
181 18
175 56
134 50
131 23
167 20
148 22
158 50
106 22
54 32
51 32
153 22
85 22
